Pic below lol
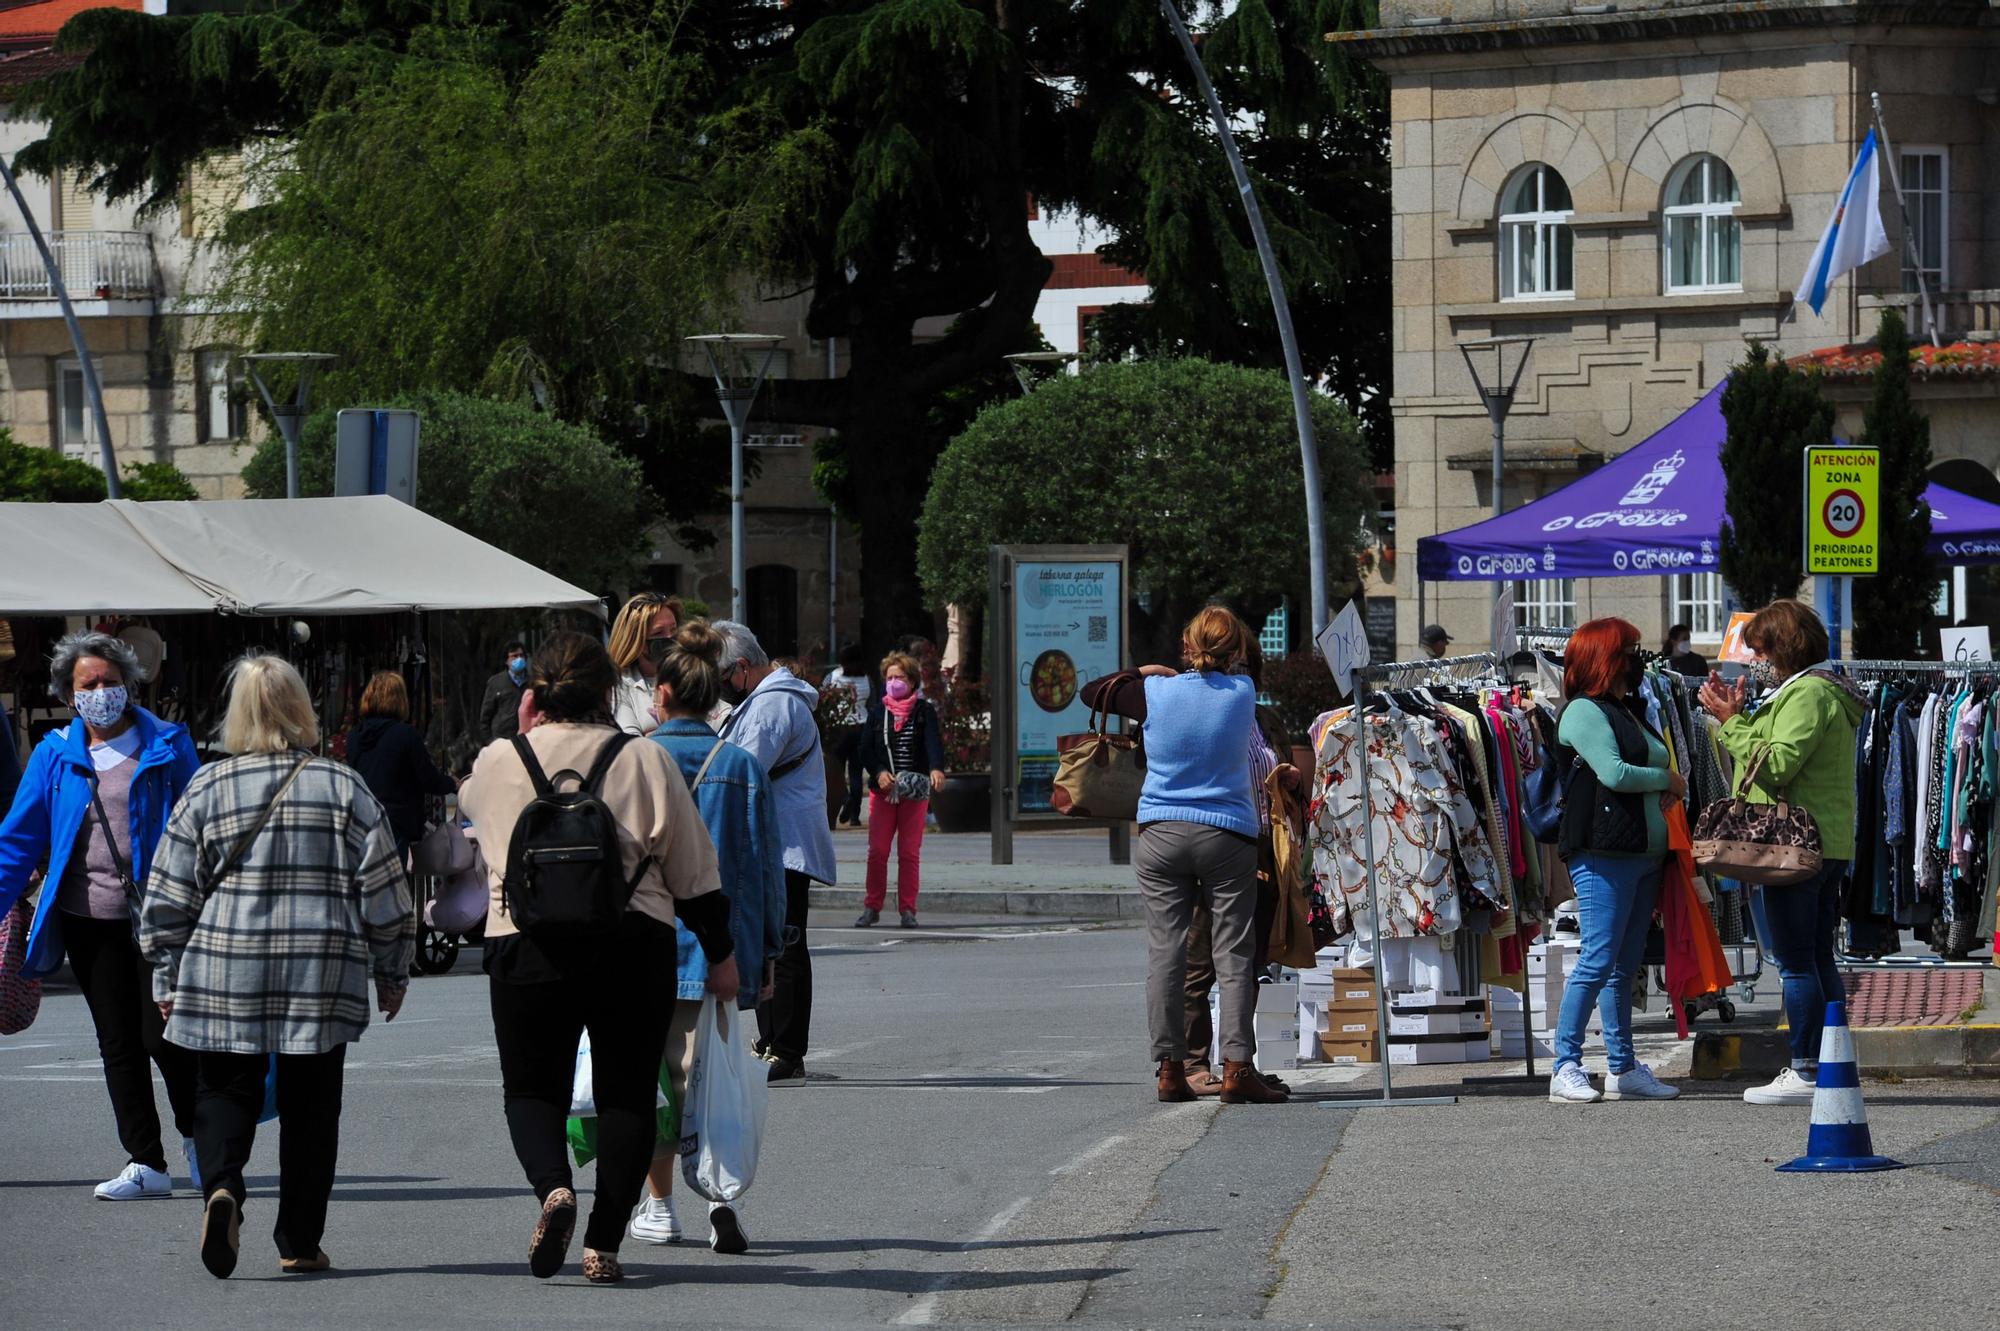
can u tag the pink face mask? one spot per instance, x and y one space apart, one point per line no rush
898 689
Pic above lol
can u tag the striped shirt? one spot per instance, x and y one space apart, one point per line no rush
1263 762
277 957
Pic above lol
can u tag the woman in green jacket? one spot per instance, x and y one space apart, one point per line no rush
1807 722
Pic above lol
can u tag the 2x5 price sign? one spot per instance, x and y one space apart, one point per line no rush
1843 510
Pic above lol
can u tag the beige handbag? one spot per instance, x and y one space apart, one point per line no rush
1773 845
1098 774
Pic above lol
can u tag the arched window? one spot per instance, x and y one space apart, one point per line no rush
1537 252
1704 241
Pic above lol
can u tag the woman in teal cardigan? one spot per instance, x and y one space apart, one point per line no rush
1807 724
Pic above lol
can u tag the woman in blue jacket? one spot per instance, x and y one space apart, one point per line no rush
733 793
93 802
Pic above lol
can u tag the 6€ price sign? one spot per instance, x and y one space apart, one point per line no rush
1843 503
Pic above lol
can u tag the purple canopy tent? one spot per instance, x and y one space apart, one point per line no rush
1654 510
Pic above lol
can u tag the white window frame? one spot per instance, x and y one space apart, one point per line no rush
1537 231
69 370
1698 601
1548 603
1712 218
1917 201
222 396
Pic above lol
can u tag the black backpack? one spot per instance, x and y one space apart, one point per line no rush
564 876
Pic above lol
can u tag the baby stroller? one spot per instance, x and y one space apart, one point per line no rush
448 879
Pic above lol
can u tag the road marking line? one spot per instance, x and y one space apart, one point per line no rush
846 1049
45 1044
1122 984
1079 1161
924 1311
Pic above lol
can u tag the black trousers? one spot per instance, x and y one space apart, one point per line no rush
848 749
118 986
626 1003
231 1096
785 1022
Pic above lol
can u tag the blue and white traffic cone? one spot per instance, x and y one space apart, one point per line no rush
1838 1142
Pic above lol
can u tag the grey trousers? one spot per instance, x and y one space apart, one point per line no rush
1179 863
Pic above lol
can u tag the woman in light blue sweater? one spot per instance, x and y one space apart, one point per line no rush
1197 836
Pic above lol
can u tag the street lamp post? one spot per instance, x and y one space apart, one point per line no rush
1499 401
730 357
1032 369
290 416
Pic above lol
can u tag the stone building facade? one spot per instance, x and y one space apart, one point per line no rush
1639 187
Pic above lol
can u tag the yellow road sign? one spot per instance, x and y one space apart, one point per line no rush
1843 510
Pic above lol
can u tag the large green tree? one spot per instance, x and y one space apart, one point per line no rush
1192 464
1893 608
889 150
1773 412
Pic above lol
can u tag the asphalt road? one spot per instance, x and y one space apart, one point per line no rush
978 1142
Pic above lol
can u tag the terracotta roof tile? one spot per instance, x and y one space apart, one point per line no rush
45 17
1910 998
1958 360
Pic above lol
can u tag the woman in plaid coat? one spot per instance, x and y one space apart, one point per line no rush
276 894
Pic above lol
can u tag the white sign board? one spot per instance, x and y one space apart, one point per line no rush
375 453
1966 645
1344 644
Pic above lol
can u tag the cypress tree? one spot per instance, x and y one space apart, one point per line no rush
1893 608
1774 413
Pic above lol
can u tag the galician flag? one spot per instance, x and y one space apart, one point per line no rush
1854 235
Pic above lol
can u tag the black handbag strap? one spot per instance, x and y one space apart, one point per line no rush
243 842
118 861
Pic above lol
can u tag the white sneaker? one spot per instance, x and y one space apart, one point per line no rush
1571 1086
655 1221
1638 1084
1787 1088
193 1164
135 1183
725 1224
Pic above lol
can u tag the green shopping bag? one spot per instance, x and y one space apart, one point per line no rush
583 1127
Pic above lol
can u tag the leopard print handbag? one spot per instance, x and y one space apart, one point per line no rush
1773 845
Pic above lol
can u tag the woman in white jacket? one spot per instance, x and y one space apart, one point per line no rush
639 639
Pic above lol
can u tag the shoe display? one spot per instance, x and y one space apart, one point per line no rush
725 1224
1571 1086
1638 1084
134 1183
655 1221
867 918
221 1225
1787 1088
193 1164
909 919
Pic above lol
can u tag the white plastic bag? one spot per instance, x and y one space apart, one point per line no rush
582 1095
722 1123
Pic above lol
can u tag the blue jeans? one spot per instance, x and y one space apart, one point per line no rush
1614 905
1802 920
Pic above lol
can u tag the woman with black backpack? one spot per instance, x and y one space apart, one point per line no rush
603 850
1614 840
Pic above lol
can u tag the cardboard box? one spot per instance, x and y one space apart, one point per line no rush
1350 1051
1436 1023
1352 1025
1353 988
1275 1027
1439 1050
1312 1017
1316 989
1275 1060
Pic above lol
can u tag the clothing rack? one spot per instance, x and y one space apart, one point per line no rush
1877 669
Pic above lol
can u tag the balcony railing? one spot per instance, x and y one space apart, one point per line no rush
95 265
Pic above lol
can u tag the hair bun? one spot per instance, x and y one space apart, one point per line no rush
697 639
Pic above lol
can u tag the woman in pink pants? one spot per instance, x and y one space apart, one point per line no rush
902 751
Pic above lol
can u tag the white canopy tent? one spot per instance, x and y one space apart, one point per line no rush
347 556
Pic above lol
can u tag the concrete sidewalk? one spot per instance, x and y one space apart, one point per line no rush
1062 874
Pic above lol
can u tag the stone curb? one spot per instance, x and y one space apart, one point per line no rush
1890 1051
1093 904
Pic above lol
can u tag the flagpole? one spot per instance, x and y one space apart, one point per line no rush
1909 235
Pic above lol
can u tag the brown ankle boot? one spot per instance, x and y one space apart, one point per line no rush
1242 1084
1173 1082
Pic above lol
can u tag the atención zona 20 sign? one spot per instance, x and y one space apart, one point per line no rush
1843 510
